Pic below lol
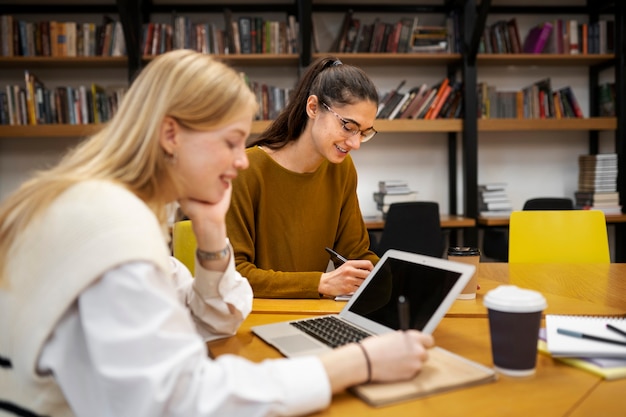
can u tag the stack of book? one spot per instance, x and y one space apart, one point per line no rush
567 339
493 200
393 191
597 183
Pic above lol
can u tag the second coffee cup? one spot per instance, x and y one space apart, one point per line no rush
468 255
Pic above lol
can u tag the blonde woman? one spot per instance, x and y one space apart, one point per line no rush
98 320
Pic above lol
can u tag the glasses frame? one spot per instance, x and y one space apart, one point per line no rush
364 135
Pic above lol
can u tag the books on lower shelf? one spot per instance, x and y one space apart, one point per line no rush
493 200
597 183
393 191
444 371
607 368
588 327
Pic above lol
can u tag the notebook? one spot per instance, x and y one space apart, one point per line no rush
595 326
430 285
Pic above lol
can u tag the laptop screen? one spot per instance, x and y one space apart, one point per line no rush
424 286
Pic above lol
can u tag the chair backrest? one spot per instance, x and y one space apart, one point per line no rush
184 244
413 226
549 203
558 236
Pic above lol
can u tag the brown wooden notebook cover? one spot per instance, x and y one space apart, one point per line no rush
444 371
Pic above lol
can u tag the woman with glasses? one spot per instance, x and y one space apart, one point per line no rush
299 194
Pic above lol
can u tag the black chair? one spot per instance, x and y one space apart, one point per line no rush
496 239
549 203
412 226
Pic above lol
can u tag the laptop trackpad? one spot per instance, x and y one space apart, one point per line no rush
296 343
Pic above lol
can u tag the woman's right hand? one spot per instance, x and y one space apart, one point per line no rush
346 279
397 356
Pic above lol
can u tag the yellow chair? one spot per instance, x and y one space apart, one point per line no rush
184 244
558 236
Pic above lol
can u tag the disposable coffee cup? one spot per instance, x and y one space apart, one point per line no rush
468 255
514 320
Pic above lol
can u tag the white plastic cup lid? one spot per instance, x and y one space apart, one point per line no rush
512 299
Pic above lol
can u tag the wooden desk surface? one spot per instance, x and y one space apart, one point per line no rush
569 289
555 390
504 221
447 221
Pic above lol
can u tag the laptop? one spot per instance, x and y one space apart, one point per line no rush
429 285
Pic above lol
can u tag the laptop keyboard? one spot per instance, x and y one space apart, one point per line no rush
330 330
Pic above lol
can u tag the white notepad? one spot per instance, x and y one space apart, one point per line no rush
563 345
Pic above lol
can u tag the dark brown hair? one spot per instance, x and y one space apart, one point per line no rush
333 83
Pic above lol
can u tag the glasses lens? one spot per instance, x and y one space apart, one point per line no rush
367 135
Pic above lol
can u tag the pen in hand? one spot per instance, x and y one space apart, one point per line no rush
403 312
335 257
589 337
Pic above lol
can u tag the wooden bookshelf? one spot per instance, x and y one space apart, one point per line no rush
411 125
561 60
522 125
70 131
63 62
252 60
394 59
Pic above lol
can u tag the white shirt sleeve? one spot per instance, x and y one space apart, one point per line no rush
128 347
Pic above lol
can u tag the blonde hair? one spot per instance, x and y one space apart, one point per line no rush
199 92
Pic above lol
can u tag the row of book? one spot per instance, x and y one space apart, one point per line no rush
393 191
558 36
32 103
271 99
442 100
403 36
536 101
242 35
60 39
36 105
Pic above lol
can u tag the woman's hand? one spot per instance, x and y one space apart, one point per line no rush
346 279
389 357
209 225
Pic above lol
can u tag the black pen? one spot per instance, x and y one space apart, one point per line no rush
615 329
403 312
336 258
589 336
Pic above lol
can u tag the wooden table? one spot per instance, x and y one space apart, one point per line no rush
555 390
569 289
448 221
504 220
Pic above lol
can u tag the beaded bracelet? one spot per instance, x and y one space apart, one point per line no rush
213 256
369 363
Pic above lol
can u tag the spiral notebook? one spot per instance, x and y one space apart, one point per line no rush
595 326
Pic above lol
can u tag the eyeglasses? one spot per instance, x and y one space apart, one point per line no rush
351 128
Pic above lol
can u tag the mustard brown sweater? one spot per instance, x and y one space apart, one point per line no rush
280 221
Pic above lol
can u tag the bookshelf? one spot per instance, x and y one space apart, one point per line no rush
459 139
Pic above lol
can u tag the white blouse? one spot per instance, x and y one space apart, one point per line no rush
129 347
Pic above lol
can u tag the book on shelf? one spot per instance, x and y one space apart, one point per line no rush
444 371
390 101
589 198
607 368
580 343
493 200
390 198
537 38
393 187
